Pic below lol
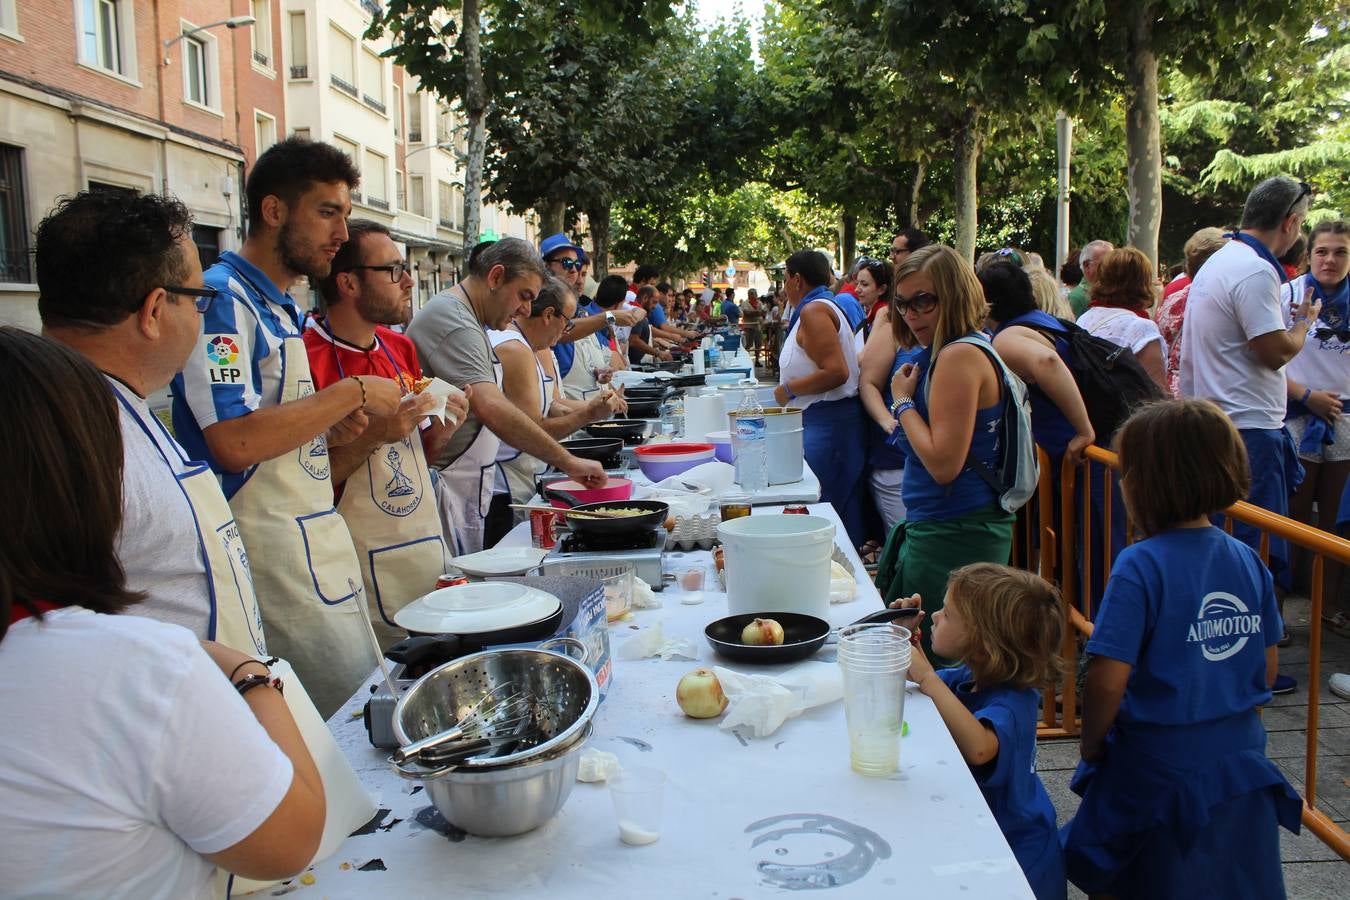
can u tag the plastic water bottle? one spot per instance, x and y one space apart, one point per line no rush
751 444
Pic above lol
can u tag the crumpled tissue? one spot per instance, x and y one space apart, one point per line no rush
597 765
442 391
765 702
717 477
652 641
643 595
842 584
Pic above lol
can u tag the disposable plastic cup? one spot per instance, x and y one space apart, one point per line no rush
873 660
637 797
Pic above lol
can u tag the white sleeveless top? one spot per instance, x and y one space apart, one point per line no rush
497 338
794 363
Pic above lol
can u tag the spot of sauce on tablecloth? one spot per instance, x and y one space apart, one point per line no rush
865 848
419 787
374 865
636 742
430 817
740 737
941 762
779 744
289 888
938 798
369 827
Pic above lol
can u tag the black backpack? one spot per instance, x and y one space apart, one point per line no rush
1111 380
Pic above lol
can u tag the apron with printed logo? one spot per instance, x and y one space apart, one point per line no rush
390 509
235 619
464 488
305 570
520 468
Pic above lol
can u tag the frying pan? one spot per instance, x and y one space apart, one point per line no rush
598 449
625 429
643 409
688 380
803 635
654 512
646 393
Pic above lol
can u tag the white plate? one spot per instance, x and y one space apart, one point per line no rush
476 607
500 561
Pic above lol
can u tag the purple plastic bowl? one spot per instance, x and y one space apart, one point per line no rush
660 461
721 441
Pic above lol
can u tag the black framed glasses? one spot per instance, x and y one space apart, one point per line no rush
1326 334
921 303
1304 190
396 270
571 265
202 297
898 251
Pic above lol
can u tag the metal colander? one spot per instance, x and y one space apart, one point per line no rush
561 692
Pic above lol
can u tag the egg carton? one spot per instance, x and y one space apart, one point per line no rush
694 532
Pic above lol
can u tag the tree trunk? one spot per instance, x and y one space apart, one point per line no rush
475 105
967 139
599 222
850 240
919 171
551 214
1143 141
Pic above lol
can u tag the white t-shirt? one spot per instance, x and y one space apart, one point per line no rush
158 544
127 754
1322 364
1123 327
1234 297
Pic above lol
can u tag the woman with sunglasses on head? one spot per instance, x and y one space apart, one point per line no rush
137 759
946 416
1317 382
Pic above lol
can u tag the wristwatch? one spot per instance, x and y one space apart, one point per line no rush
609 319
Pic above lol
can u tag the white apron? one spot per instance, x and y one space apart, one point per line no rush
235 619
390 508
305 569
464 488
579 382
520 468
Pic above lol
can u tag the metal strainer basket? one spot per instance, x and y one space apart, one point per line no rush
562 695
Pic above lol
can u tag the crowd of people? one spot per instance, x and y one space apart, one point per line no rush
306 493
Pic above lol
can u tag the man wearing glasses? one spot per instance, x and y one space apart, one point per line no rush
138 320
246 402
1235 345
905 242
380 473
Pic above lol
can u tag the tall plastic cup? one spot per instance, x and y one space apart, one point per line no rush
874 659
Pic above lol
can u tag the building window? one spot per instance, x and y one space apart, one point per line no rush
264 131
195 86
105 31
342 61
417 195
301 133
207 240
299 46
372 81
415 118
445 124
15 263
106 187
444 207
262 33
400 198
457 207
9 17
354 154
375 179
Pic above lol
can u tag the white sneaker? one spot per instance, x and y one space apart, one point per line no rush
1340 685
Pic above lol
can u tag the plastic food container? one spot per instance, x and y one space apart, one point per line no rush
615 489
660 461
721 441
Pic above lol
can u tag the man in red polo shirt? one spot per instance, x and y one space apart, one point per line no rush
379 464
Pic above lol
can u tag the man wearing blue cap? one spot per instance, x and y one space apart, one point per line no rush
566 260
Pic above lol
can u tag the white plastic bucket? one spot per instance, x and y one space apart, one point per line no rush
783 433
778 563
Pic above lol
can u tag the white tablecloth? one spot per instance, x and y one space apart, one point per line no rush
743 817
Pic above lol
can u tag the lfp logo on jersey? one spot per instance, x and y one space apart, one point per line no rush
221 353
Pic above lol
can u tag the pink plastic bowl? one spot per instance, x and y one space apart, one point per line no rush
616 489
660 461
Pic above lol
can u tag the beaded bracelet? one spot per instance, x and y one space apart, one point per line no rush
265 663
362 385
249 682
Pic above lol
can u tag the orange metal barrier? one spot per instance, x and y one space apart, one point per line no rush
1038 547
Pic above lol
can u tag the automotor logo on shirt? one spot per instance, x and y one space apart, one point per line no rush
221 355
1223 626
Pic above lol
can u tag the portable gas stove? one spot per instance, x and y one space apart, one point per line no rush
645 550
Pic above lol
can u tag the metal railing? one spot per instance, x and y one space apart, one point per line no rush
1038 547
377 105
377 203
344 86
262 58
299 71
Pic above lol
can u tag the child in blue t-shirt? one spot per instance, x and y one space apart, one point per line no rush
1005 625
1179 799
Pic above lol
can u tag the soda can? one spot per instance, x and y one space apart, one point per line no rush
796 509
543 529
451 578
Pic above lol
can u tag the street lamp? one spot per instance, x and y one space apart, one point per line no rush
231 23
445 145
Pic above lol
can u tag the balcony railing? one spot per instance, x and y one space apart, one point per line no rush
377 203
356 196
415 137
299 71
371 7
446 223
344 86
262 59
15 264
374 104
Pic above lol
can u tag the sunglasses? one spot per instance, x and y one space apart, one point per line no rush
571 265
897 251
1304 190
396 270
921 303
1326 334
203 297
